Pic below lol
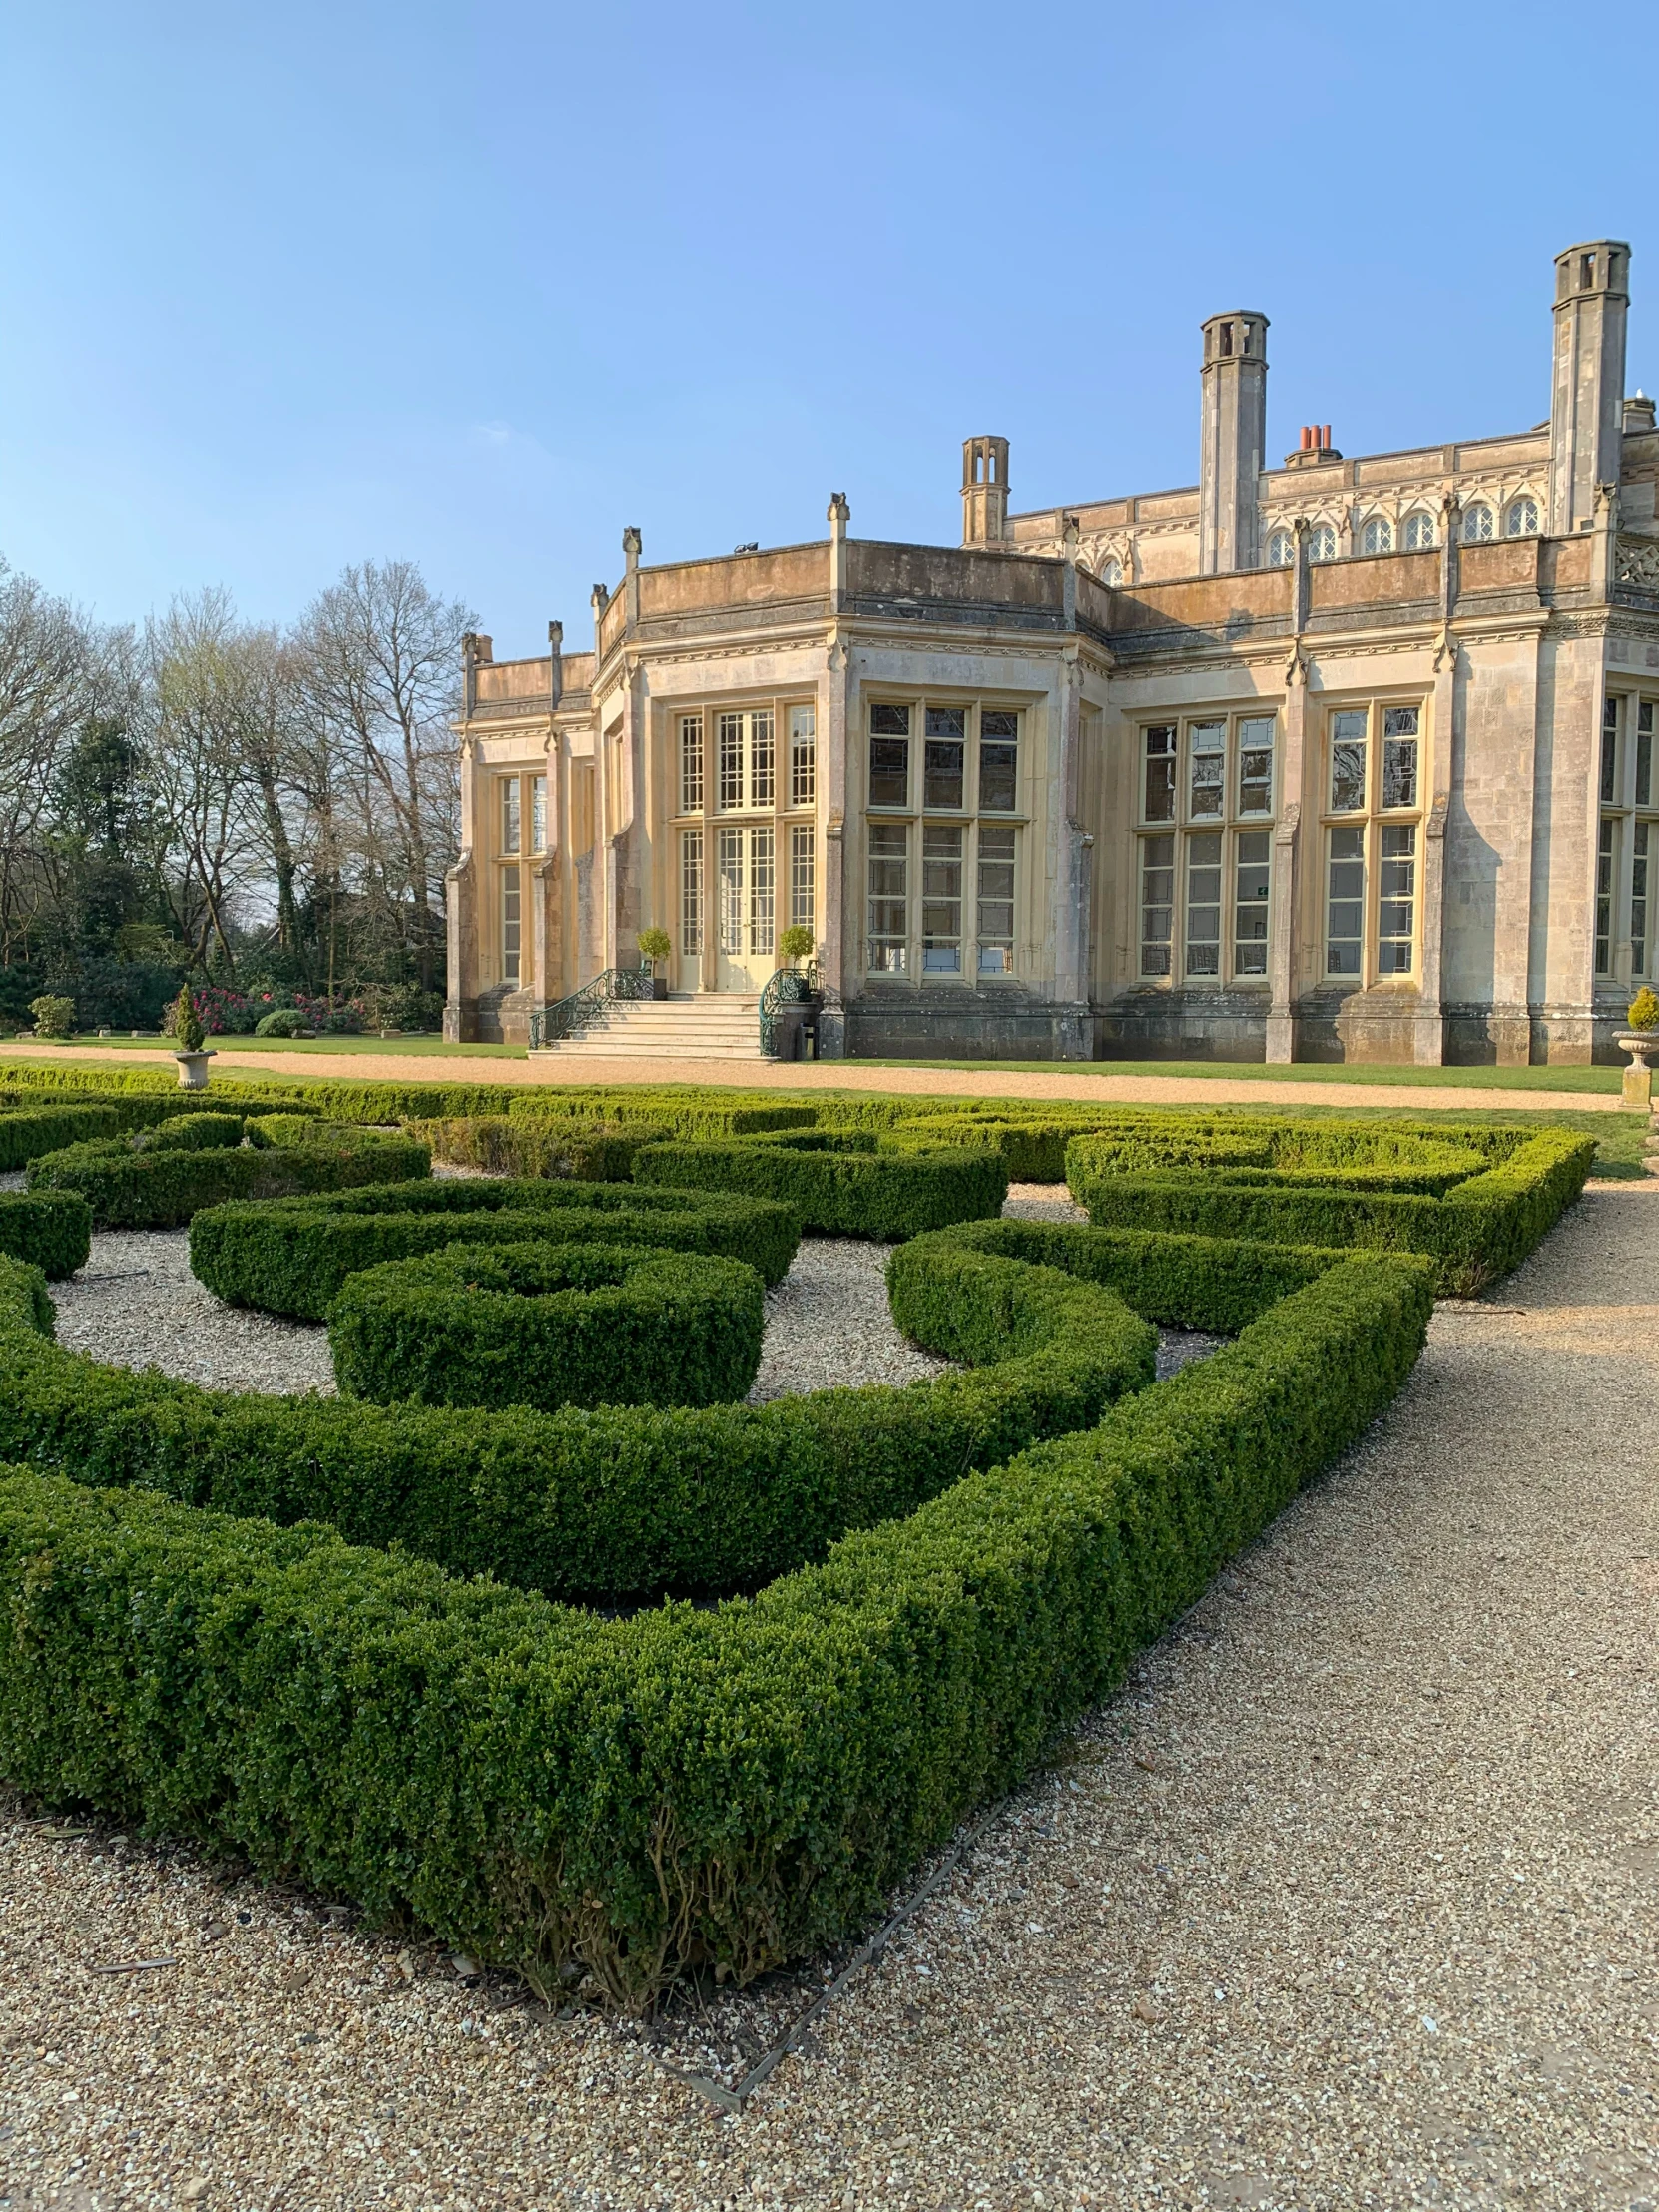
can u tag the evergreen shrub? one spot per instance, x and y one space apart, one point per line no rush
839 1193
539 1145
292 1256
200 1131
1479 1199
49 1230
25 1135
165 1188
550 1325
628 1799
619 1503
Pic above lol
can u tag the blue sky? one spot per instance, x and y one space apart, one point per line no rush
283 288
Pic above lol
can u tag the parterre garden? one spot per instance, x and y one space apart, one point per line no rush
538 1635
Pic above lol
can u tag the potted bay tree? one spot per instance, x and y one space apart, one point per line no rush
655 947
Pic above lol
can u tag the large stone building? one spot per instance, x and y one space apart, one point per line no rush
1345 759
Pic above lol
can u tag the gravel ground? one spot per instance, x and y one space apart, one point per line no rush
136 1303
1350 1898
1198 1084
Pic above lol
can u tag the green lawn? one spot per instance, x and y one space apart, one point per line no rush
1232 1071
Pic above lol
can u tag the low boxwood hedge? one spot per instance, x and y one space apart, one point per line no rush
539 1144
201 1132
550 1325
1479 1199
49 1230
158 1188
26 1134
725 1788
621 1502
292 1256
839 1193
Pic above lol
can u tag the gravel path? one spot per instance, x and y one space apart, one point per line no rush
1350 1898
136 1303
1199 1083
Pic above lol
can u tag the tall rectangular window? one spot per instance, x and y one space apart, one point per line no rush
1251 874
1639 856
998 761
729 728
803 755
889 756
509 813
890 912
1644 752
1344 908
1347 760
1204 904
691 892
1157 904
1399 757
1158 790
1397 896
802 871
511 940
1256 764
728 862
1606 860
538 813
1206 758
691 763
762 780
763 878
1609 749
941 899
943 749
996 900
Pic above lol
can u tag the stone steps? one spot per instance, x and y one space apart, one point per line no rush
719 1027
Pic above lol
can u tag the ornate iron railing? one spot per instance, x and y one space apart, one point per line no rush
548 1025
788 986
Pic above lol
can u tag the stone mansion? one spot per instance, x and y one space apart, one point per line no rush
1342 759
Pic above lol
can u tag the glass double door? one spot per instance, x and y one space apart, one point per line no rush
745 896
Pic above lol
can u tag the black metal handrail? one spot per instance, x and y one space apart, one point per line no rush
548 1025
786 986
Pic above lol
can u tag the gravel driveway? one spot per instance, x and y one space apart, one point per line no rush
1352 1897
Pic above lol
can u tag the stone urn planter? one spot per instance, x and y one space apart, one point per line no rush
193 1070
1642 1045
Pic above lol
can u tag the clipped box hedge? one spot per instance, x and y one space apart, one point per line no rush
550 1325
292 1256
539 1144
839 1193
27 1133
199 1132
622 1503
163 1188
49 1230
726 1787
1477 1199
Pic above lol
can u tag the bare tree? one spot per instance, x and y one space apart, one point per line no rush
49 680
205 676
381 655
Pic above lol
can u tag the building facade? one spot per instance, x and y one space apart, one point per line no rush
1346 759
